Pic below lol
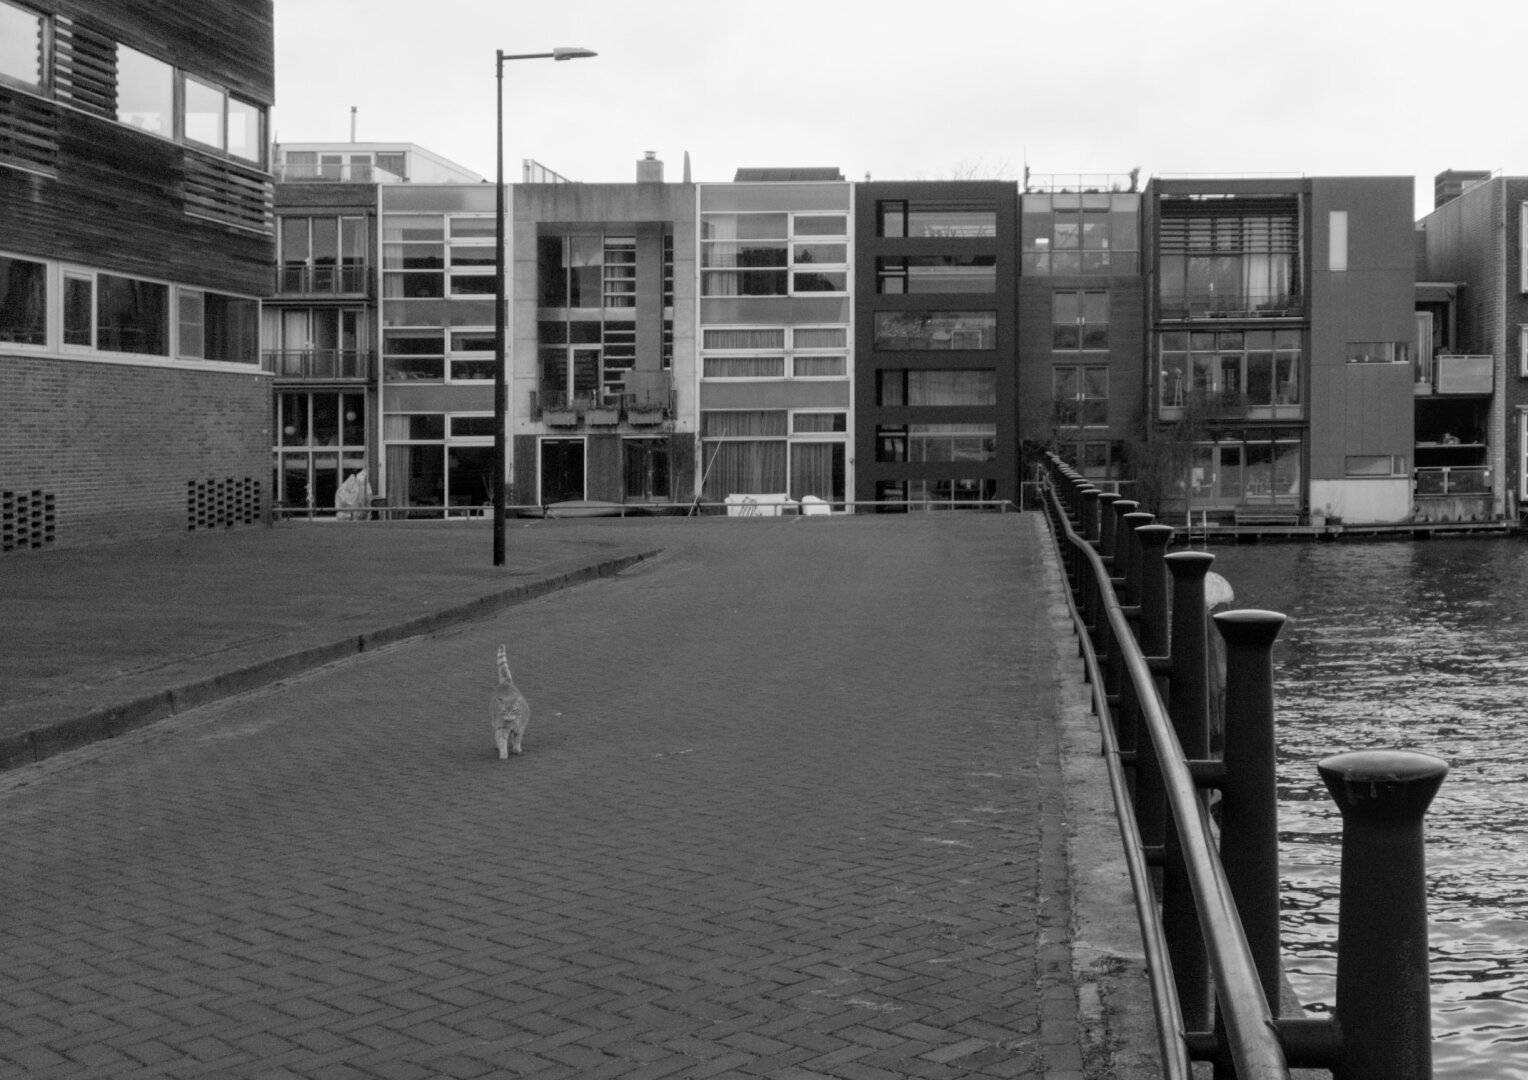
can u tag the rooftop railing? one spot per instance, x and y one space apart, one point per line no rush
1207 899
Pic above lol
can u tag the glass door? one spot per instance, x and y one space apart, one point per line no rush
562 470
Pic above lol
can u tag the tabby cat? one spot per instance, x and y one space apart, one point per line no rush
511 712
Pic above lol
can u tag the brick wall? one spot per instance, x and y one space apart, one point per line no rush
129 451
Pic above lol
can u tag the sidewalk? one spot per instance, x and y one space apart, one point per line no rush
806 799
100 640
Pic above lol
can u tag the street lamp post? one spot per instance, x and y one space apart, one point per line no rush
500 388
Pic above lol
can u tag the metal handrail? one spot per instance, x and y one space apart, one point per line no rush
1250 1027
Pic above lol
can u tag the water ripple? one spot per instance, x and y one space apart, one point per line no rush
1423 646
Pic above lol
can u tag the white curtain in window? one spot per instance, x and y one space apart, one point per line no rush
812 471
396 427
720 250
744 468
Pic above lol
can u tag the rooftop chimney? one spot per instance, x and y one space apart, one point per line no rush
649 169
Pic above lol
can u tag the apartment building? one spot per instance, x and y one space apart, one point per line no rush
602 397
336 271
936 343
1472 374
774 388
137 240
1281 321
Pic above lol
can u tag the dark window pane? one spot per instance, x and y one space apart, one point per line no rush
23 301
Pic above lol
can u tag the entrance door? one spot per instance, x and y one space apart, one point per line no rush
562 470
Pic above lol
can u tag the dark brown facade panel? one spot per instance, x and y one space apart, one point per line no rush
231 42
119 202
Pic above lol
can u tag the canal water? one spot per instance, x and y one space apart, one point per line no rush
1421 645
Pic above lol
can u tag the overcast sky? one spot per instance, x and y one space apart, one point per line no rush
919 90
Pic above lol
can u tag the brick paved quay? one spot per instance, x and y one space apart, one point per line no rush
792 805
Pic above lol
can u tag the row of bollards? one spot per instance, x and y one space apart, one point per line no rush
1115 554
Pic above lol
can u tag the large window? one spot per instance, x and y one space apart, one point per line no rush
438 464
1219 260
1079 321
21 42
210 117
1080 395
773 254
950 219
1254 467
117 314
897 387
1081 234
589 271
214 326
145 92
323 254
764 452
935 330
215 118
924 443
320 443
23 302
317 343
814 352
936 274
1228 371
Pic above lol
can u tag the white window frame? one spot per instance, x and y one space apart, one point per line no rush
1522 349
468 354
792 240
44 50
453 439
787 352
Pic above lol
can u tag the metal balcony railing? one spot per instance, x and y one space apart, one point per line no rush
319 364
306 280
641 408
1232 304
1452 480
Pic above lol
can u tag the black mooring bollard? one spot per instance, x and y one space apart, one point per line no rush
1384 1008
1151 590
1133 522
1105 538
1119 548
1089 528
1188 706
1249 801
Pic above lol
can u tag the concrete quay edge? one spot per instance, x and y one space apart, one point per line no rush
39 743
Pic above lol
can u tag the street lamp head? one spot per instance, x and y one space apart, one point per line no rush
564 52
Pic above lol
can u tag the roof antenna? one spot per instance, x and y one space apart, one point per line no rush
352 123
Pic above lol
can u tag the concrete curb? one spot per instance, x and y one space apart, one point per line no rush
32 746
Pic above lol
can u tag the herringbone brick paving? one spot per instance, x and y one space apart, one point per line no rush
789 807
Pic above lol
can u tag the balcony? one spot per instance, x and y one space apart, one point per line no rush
640 409
1455 374
1452 481
319 365
1233 304
299 279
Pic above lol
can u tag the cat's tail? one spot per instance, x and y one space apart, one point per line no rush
504 675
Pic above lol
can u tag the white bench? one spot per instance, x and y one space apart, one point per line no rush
767 505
